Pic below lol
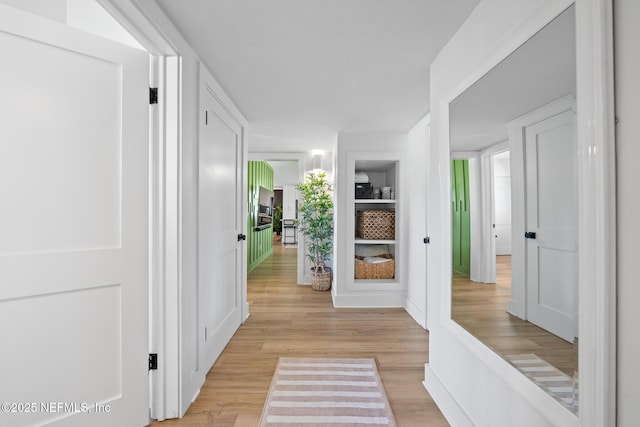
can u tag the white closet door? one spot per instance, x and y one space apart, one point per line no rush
551 213
219 224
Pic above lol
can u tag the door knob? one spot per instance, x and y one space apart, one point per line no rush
530 235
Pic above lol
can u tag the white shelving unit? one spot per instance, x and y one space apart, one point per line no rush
381 173
381 157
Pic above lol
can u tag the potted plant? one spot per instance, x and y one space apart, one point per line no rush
316 223
277 219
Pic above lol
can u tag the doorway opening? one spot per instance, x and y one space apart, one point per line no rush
288 171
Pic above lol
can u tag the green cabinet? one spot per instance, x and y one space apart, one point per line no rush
259 242
460 217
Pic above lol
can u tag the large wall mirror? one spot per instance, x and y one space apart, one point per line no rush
514 209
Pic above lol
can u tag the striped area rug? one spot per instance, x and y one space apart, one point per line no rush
326 392
555 382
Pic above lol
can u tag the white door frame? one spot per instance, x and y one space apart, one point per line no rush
596 212
166 243
174 386
487 261
165 269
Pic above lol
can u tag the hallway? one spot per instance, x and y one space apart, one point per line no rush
296 321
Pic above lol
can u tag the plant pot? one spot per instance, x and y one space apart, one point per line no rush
321 281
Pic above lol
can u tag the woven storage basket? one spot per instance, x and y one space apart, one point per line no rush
376 225
383 270
321 281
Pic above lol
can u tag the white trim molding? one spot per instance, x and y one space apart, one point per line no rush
597 212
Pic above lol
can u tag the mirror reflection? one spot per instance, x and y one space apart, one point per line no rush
514 210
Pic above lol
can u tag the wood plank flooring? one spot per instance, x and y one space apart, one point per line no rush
296 321
482 310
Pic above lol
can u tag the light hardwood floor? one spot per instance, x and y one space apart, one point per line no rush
482 310
296 321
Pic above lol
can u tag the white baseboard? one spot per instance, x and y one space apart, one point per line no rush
454 414
418 314
367 300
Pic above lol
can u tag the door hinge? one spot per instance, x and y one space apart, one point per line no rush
153 95
153 361
242 237
530 235
426 240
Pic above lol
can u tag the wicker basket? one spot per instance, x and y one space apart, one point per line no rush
383 270
321 281
376 225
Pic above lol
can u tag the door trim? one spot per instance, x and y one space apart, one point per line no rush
165 383
487 256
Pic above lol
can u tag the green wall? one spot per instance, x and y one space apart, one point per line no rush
259 243
460 218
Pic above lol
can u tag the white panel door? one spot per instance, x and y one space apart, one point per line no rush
502 203
73 227
219 224
551 213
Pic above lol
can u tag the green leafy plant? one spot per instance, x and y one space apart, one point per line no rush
316 219
277 217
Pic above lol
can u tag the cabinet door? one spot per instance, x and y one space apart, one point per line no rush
460 219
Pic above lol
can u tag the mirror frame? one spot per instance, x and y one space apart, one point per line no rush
597 211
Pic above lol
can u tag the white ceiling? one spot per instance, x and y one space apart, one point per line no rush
302 71
541 71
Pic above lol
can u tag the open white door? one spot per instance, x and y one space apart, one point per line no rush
74 289
551 224
219 226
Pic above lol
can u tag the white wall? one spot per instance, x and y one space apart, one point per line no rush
289 197
285 172
416 230
89 16
86 15
627 63
470 383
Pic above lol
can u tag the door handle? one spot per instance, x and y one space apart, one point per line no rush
242 237
530 235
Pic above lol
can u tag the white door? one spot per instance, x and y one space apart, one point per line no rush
74 288
551 213
219 224
502 203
